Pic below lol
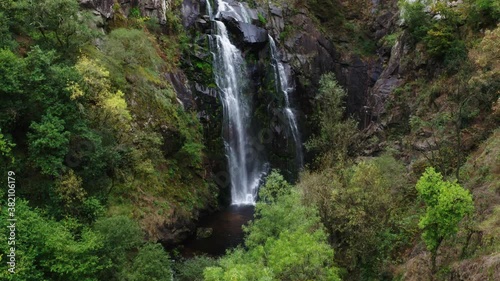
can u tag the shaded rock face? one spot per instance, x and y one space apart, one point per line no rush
307 54
182 88
176 231
104 7
311 54
155 9
389 79
247 34
148 8
191 10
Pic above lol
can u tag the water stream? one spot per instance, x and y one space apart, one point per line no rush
283 86
245 167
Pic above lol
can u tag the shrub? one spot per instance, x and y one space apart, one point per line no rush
415 18
151 263
335 135
447 203
192 269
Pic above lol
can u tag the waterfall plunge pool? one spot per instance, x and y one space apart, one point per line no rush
227 232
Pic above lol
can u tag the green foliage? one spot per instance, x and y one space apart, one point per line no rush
12 71
151 263
276 186
5 35
441 35
93 128
6 148
134 13
284 242
51 250
48 144
120 235
439 40
447 203
262 19
358 206
336 134
95 90
485 82
192 269
415 18
390 39
69 189
483 13
52 23
132 48
443 39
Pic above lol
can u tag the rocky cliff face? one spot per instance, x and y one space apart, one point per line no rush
307 51
148 8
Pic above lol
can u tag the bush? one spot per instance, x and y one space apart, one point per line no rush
192 269
48 144
51 250
415 18
336 134
483 13
447 203
356 206
151 263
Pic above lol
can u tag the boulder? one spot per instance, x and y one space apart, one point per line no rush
252 34
204 232
246 33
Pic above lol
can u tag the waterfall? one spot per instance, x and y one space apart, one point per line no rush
282 86
245 167
240 14
209 10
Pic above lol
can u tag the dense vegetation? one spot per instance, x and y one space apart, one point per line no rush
105 154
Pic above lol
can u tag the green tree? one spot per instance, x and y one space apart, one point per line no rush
286 241
12 71
417 20
51 250
192 269
357 206
104 106
69 189
151 263
6 148
275 187
336 134
447 203
58 23
120 236
48 144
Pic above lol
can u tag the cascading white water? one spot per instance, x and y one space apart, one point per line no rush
284 87
245 168
209 10
240 13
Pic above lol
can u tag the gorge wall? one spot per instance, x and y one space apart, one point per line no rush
308 48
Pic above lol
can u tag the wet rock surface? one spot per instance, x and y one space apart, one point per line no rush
247 33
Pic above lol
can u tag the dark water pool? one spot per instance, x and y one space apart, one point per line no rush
227 232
